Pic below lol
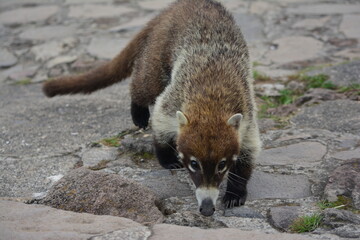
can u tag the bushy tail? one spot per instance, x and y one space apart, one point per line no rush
116 70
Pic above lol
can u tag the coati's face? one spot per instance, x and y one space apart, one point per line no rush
208 154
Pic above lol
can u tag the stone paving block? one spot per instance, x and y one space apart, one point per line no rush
166 232
60 60
344 74
7 59
24 176
265 185
251 27
324 9
101 193
48 32
311 23
106 47
294 48
350 25
304 154
346 155
155 4
94 156
337 116
98 11
21 221
28 15
134 233
52 49
283 217
134 24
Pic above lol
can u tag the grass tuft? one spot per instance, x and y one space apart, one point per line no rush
342 202
111 142
25 81
259 77
306 223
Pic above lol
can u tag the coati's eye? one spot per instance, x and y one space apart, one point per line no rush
222 165
194 165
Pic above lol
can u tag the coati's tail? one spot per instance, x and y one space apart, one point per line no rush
116 70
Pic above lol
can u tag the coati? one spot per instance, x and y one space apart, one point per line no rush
192 62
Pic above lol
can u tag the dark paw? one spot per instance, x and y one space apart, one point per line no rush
140 115
231 200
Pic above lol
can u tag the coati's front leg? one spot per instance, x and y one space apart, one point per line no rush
167 155
140 115
238 176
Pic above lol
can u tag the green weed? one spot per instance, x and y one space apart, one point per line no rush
111 142
342 202
259 77
306 223
25 81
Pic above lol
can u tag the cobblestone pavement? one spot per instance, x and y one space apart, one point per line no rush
310 127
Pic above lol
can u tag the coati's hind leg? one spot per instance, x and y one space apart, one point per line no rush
167 155
238 176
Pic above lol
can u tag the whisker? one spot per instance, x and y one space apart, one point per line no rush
171 147
235 175
232 180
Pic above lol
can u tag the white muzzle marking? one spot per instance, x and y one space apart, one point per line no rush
203 193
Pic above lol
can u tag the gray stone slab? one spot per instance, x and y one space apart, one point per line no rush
28 15
21 221
173 232
251 27
155 5
97 11
24 176
283 217
94 156
33 124
265 185
324 9
166 184
60 60
294 48
243 212
134 233
134 24
350 26
304 154
7 59
346 155
311 23
48 32
337 116
101 193
52 49
342 75
106 47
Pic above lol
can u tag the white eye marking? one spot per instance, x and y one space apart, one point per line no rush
222 165
203 193
191 169
181 155
235 157
194 164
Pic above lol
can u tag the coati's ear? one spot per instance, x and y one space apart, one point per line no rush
182 119
235 120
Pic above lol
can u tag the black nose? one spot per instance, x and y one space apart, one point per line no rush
207 207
